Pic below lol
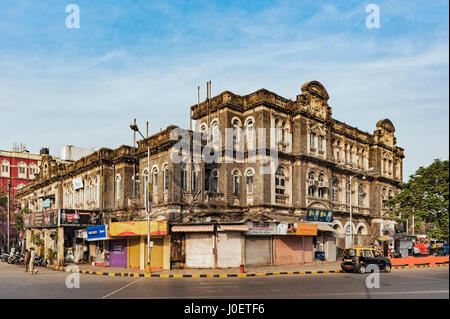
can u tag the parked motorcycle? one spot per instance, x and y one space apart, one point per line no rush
4 257
17 258
40 261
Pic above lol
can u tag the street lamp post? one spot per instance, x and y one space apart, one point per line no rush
8 187
148 204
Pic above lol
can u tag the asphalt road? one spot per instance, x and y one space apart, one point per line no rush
403 283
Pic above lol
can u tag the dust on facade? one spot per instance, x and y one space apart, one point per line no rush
224 214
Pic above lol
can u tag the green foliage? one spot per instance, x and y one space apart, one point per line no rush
426 197
19 225
52 255
37 240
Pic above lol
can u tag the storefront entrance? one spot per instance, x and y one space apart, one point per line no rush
258 250
134 253
118 253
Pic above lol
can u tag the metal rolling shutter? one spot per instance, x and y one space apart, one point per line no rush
199 250
229 249
257 251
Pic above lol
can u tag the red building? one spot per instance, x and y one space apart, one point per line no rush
19 167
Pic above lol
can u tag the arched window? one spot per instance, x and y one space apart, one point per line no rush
195 174
347 193
203 128
360 195
389 194
312 140
320 142
236 183
214 182
146 180
5 169
383 197
283 133
22 169
277 130
96 188
335 191
249 133
184 176
321 191
70 196
236 131
311 186
155 179
118 178
32 171
279 181
249 181
215 132
166 177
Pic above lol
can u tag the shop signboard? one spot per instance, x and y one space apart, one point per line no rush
319 215
77 183
79 218
47 203
306 229
50 218
257 228
97 232
138 228
46 219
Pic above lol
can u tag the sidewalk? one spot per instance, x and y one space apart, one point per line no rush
308 268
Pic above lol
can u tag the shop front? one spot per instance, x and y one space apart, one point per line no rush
128 245
74 224
324 244
230 245
258 244
97 237
293 244
199 245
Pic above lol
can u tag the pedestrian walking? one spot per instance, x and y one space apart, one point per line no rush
27 259
31 267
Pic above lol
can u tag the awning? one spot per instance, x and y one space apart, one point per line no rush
325 227
193 228
243 227
385 238
137 228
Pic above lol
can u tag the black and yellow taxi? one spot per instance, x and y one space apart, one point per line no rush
358 259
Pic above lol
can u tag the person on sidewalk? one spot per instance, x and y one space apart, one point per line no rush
31 267
27 259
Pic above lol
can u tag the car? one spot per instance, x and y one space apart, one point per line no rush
360 259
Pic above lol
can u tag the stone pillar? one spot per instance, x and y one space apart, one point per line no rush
47 241
60 247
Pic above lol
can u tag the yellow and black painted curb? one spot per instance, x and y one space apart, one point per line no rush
140 275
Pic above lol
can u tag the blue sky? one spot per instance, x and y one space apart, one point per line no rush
144 60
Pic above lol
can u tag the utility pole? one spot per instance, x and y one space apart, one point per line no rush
8 187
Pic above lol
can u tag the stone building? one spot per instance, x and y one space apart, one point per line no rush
100 184
317 157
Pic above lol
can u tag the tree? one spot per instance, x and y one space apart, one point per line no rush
425 197
19 224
